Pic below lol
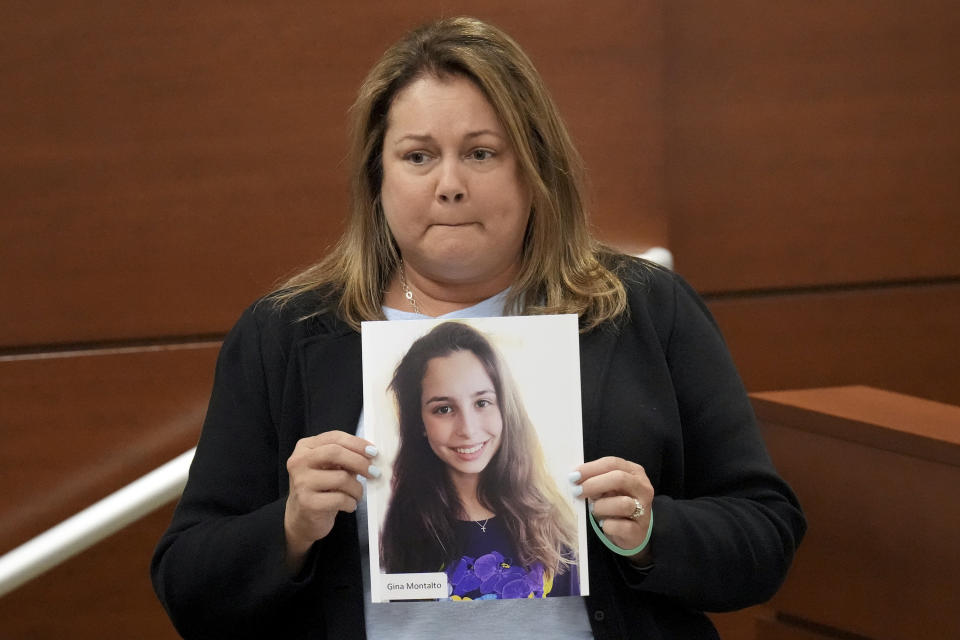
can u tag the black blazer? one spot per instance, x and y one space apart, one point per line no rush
658 388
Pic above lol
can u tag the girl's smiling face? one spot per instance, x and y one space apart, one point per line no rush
461 412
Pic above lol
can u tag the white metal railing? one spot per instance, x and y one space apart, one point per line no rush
122 507
93 524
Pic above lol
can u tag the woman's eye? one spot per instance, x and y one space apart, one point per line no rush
483 402
443 410
417 157
481 154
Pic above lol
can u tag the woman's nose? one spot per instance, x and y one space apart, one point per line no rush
467 425
451 186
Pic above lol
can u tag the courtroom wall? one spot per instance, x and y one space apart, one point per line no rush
811 190
163 166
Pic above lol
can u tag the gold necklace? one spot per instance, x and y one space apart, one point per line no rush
408 293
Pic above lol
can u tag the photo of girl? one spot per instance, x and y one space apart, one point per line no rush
470 491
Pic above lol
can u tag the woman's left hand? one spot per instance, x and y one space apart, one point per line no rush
621 498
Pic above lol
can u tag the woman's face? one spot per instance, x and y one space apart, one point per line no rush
461 412
452 192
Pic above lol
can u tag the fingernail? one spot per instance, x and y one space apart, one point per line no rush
600 523
371 450
590 505
574 477
374 471
576 491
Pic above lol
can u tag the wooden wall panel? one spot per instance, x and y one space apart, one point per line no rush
780 628
162 168
103 593
812 142
159 169
904 339
76 428
741 624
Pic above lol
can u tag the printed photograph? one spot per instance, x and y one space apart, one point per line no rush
478 423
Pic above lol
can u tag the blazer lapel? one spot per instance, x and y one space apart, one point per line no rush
332 379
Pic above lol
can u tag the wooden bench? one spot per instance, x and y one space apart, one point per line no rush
877 474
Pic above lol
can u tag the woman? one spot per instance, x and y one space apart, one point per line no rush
471 494
467 200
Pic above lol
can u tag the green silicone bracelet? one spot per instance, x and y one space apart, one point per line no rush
620 550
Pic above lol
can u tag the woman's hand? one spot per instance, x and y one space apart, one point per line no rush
323 473
620 496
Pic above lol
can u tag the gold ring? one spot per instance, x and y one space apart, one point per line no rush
638 510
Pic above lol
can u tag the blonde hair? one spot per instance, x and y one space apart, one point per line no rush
562 267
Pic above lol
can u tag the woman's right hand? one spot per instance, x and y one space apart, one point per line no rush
323 472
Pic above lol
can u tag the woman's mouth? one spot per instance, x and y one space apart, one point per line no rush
470 453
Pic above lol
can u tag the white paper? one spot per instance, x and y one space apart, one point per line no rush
541 354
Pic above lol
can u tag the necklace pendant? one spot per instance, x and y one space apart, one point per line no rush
407 291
